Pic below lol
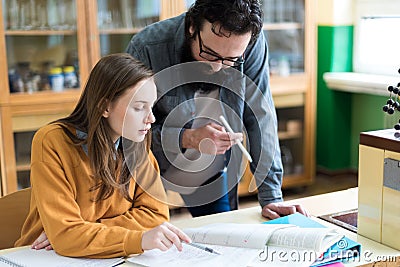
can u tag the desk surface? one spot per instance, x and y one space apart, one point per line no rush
316 205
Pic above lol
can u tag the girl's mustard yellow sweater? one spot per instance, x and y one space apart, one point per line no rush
62 205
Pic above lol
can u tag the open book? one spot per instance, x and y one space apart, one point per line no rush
247 245
344 250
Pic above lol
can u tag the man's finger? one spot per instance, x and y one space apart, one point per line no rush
299 208
286 210
232 137
270 214
217 126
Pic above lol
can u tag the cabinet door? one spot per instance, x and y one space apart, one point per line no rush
289 29
116 21
284 29
43 40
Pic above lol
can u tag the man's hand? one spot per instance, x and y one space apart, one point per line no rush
210 139
42 242
276 210
164 237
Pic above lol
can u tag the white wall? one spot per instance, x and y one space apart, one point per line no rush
335 12
376 41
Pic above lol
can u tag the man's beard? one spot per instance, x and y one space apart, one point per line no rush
205 70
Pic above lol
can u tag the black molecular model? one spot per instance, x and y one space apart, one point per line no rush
393 104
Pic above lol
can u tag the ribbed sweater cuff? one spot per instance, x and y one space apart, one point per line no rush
133 242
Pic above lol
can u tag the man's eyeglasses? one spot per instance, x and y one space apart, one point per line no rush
213 57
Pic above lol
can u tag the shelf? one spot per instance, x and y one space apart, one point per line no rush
289 91
282 26
38 118
289 135
120 31
23 165
39 32
284 85
289 101
44 97
248 186
30 111
291 180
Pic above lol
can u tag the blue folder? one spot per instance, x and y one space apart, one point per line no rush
344 250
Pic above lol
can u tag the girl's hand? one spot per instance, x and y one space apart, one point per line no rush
163 237
42 242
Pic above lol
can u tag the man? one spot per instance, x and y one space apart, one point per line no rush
197 156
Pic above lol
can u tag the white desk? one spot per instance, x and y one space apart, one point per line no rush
316 205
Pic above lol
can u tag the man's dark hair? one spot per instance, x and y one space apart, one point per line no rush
226 16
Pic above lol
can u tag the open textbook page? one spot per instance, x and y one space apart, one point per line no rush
246 245
235 234
258 235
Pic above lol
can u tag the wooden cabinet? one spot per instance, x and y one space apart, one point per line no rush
34 39
290 28
37 35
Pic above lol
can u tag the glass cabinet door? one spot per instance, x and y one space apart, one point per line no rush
44 58
118 20
284 30
41 45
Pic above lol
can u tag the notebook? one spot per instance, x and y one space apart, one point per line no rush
27 257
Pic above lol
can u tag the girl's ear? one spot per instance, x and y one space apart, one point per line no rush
106 111
191 30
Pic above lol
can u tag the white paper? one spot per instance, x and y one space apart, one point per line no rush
39 258
193 257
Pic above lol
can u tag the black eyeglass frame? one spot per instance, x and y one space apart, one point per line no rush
232 63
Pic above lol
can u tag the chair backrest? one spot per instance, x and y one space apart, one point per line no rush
13 211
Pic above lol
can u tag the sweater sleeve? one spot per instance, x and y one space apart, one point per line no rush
149 208
61 216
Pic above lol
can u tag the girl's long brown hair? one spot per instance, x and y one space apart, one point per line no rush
109 79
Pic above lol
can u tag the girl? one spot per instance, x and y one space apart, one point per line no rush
96 190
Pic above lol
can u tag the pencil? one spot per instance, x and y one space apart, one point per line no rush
237 141
202 247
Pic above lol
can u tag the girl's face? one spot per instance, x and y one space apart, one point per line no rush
130 115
